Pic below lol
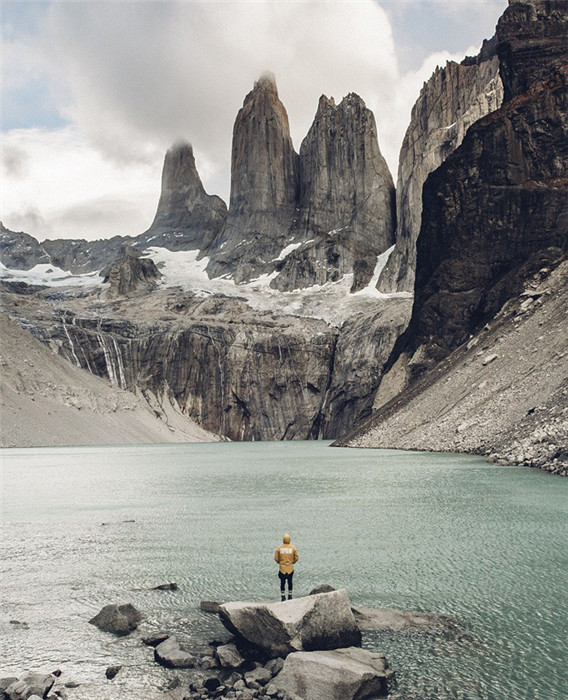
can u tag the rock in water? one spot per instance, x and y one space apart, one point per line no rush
322 621
264 186
118 619
347 199
450 101
30 684
187 217
342 674
171 655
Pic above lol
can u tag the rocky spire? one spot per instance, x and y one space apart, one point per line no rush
264 173
187 217
347 199
264 186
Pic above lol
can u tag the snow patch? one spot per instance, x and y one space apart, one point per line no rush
45 275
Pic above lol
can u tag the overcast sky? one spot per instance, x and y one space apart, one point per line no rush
94 93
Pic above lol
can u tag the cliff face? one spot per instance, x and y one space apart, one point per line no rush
264 186
498 203
187 217
346 204
306 219
240 373
450 102
495 216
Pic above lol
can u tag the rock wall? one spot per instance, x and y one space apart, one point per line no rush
237 372
495 215
347 209
312 218
264 187
449 103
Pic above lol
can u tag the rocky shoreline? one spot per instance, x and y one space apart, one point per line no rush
308 648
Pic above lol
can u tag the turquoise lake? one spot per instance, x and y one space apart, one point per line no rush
442 533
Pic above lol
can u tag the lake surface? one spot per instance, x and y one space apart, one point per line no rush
443 533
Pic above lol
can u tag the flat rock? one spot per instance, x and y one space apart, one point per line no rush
400 620
340 674
171 655
118 619
317 622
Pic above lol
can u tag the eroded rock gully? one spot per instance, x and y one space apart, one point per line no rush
239 373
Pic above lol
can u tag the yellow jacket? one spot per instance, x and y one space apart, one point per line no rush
286 555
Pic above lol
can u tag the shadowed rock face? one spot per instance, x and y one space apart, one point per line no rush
499 201
497 210
450 102
187 217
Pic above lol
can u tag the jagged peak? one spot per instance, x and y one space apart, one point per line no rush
267 80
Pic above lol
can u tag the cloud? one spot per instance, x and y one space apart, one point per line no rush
76 190
119 82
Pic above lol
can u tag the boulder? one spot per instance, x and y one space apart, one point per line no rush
171 655
30 684
340 674
229 656
112 671
322 588
118 619
317 622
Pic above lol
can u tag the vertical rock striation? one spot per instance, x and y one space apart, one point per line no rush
453 98
347 209
306 219
264 186
187 217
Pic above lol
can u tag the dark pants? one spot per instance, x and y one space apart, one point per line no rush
283 578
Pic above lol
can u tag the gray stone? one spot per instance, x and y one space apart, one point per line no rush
229 656
454 97
260 675
322 588
210 606
341 674
112 672
30 684
118 619
171 655
322 621
187 217
274 665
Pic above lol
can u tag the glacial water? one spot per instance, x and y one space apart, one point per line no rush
83 527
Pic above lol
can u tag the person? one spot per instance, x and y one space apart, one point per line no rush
286 555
